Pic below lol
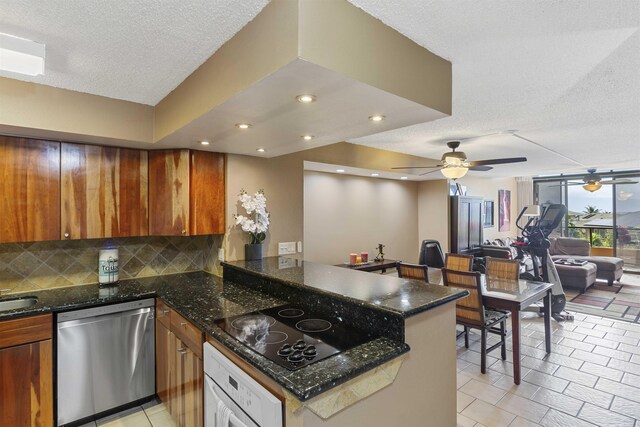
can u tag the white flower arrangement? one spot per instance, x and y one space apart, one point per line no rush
256 223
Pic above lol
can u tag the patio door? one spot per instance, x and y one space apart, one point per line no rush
627 225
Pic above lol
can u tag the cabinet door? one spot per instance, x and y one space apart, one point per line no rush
104 192
186 380
163 368
169 192
30 188
207 187
26 385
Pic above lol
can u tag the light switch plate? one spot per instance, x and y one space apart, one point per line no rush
299 246
221 254
286 248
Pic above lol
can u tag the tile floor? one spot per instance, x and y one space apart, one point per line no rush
591 378
151 414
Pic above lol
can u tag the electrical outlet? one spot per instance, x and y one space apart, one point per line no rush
286 248
221 254
299 247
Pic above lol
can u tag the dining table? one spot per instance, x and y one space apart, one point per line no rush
372 266
513 296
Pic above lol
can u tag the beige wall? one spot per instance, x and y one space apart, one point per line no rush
433 212
307 206
487 188
281 179
344 214
43 111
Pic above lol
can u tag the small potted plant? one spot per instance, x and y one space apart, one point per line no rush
256 222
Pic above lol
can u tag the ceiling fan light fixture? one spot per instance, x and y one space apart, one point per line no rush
454 172
592 186
453 161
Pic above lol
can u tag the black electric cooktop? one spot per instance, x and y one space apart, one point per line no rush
291 336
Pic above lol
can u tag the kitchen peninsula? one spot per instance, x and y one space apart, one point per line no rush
407 367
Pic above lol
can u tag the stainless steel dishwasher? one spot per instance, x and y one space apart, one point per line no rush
106 358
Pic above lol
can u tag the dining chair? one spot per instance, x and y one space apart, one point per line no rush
501 268
471 313
413 271
458 262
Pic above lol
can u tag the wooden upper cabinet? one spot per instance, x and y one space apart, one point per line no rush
30 188
207 202
104 192
186 193
169 192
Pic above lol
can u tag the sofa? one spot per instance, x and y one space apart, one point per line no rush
607 268
501 248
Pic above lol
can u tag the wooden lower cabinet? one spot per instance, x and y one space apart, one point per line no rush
26 380
163 348
179 374
186 383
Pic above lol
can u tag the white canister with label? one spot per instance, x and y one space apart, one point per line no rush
108 266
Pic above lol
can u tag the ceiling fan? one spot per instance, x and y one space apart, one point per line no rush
593 182
454 164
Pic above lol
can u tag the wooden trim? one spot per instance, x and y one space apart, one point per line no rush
25 330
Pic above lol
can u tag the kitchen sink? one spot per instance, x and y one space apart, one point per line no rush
15 303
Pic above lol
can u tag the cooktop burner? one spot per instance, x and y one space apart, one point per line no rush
291 337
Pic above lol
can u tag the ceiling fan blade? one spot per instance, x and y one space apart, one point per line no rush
427 173
619 181
439 165
568 183
497 161
480 168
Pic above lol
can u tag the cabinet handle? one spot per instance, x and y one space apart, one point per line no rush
67 235
184 232
182 351
184 325
165 311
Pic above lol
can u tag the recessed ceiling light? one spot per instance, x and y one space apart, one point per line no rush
340 170
204 142
21 56
375 174
376 118
306 99
261 150
307 137
404 177
243 125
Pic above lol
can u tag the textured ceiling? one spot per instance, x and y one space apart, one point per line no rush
565 74
126 49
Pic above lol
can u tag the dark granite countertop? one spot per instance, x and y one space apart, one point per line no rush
403 297
203 298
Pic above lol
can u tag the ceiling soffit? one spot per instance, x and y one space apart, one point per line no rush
298 46
356 66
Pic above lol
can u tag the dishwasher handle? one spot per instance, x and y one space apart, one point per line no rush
106 317
105 309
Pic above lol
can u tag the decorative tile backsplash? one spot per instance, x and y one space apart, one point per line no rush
54 264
